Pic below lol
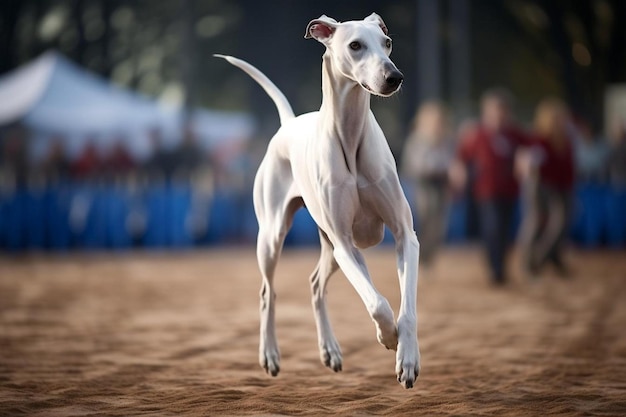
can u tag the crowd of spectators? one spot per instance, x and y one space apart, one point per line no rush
95 162
494 161
427 152
59 192
490 162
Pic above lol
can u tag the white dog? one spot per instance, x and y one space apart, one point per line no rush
337 163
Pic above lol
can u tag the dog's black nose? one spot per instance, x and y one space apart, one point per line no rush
394 78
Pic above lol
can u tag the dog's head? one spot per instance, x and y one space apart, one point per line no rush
360 51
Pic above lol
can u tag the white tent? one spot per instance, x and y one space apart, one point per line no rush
53 96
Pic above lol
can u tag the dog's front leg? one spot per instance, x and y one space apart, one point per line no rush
388 198
407 356
352 264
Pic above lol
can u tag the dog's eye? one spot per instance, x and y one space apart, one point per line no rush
388 43
355 46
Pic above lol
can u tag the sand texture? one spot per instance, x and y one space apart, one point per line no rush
173 334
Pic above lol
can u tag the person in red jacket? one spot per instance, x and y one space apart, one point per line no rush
549 188
89 163
488 150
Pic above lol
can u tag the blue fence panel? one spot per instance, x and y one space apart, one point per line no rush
457 221
615 208
157 212
36 221
179 200
303 231
71 215
117 212
58 206
589 221
15 220
94 235
3 202
249 226
223 218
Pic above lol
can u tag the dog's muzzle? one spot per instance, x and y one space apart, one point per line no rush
393 79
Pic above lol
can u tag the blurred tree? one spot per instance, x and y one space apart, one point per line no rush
164 48
580 47
11 11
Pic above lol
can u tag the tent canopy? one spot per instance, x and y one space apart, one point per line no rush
53 96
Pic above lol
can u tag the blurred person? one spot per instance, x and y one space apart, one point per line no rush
591 154
426 159
89 163
616 161
461 180
14 161
233 166
55 165
549 183
160 161
489 149
188 156
119 160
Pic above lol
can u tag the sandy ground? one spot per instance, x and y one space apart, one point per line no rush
169 334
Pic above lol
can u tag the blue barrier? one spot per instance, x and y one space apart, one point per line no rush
589 221
156 217
303 231
179 225
69 215
457 220
15 220
222 218
93 236
116 218
615 208
58 203
3 221
35 215
249 225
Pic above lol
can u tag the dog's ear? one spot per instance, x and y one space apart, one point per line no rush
321 29
379 21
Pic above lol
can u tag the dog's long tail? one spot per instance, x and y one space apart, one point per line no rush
285 111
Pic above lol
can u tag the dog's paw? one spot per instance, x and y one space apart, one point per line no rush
269 359
407 363
387 336
330 355
386 330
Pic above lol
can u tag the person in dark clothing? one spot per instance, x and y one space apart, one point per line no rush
188 156
548 184
14 163
160 164
55 165
490 148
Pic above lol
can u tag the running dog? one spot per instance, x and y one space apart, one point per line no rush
337 163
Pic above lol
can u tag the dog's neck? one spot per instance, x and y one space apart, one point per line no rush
345 107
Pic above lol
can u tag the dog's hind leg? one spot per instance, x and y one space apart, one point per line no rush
268 249
275 220
330 352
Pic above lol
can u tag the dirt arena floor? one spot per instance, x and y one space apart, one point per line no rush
172 334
